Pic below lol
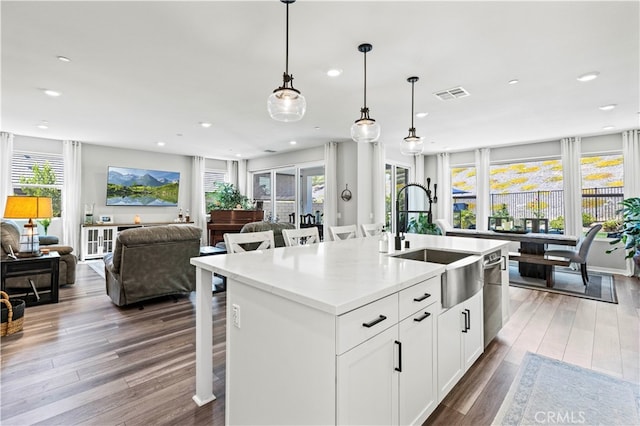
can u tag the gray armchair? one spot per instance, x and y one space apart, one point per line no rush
152 261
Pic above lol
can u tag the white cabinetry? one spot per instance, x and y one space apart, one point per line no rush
97 241
389 378
460 341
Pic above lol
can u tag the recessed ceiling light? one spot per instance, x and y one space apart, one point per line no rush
514 81
238 155
421 114
42 126
205 124
334 72
161 143
52 93
589 76
292 142
607 107
64 59
318 127
608 127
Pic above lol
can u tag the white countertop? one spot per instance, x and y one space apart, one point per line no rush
338 276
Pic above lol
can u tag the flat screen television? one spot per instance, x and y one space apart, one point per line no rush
142 187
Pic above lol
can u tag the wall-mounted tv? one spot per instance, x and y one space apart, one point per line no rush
142 187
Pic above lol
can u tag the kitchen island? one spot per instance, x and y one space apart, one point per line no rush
308 327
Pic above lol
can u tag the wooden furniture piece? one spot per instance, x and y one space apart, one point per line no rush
229 221
343 232
300 237
532 260
47 264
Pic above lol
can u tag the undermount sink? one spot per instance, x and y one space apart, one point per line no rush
464 275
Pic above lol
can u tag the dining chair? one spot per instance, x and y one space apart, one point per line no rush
300 237
371 229
579 255
343 232
249 241
307 219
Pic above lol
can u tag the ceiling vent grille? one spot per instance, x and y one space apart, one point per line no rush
454 93
269 151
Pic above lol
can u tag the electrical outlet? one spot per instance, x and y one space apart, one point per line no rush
235 315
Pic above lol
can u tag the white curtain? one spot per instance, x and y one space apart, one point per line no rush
572 185
330 186
418 166
6 155
232 172
631 155
443 179
198 205
242 177
377 178
483 197
71 209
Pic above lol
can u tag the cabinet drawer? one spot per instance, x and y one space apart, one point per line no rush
365 322
415 297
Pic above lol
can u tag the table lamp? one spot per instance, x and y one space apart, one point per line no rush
21 207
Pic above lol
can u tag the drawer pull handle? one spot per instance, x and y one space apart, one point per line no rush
374 322
423 317
399 367
421 298
468 319
464 313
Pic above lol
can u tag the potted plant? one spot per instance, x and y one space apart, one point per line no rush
421 225
630 232
228 197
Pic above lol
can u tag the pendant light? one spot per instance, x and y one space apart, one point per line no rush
365 129
286 103
412 144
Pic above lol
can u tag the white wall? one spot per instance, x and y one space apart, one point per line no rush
96 159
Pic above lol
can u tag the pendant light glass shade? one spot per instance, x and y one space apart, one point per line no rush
286 103
365 129
412 144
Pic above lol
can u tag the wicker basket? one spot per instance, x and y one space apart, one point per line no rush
12 313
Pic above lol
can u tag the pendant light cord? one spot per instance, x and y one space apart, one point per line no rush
286 67
365 80
412 90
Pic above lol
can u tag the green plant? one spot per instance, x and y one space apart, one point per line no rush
503 211
611 225
587 219
421 225
557 223
467 218
45 224
630 233
228 197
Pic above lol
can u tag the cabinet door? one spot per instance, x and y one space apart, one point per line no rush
91 242
108 238
418 391
367 383
450 326
474 337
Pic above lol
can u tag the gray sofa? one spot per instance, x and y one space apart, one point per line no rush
152 261
10 237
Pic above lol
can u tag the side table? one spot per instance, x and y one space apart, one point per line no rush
47 264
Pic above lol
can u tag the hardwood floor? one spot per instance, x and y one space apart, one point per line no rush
86 361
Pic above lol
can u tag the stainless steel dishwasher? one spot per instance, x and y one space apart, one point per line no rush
494 264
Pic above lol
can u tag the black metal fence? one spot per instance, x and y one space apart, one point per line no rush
598 204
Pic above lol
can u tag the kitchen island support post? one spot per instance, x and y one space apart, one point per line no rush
204 338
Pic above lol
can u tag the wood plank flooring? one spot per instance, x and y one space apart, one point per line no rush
86 361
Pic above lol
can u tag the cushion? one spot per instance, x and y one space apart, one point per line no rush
10 236
47 240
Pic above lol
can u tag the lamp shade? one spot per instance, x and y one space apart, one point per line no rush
286 104
21 207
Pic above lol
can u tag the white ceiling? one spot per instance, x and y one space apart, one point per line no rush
149 71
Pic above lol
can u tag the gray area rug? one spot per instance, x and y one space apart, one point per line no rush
567 281
548 391
97 265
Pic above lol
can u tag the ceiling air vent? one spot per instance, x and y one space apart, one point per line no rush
269 151
456 92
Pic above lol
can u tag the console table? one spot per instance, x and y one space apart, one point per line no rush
47 264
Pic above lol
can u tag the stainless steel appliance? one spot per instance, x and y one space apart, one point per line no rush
494 264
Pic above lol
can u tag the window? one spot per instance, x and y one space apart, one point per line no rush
212 179
39 174
602 190
529 190
463 189
395 178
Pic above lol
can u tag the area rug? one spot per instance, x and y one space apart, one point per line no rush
97 265
548 391
567 281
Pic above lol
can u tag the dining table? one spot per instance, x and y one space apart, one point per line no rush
532 261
